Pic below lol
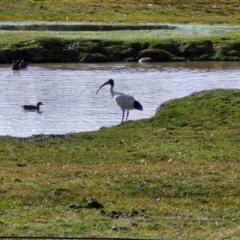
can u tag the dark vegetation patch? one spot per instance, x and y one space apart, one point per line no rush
62 50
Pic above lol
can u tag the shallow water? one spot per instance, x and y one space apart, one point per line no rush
69 92
152 30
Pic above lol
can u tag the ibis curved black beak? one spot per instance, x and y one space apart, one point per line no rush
102 86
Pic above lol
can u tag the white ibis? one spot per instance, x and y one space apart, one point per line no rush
124 101
32 107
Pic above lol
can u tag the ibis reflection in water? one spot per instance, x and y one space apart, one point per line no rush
124 101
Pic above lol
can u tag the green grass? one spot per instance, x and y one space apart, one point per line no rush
11 37
171 11
179 170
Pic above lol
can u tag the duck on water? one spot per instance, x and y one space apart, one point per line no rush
32 107
19 64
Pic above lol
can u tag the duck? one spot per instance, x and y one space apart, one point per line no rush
19 64
23 64
16 64
32 107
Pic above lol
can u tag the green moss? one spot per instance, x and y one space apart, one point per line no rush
205 57
64 49
7 55
169 46
234 53
192 50
94 57
130 60
179 59
156 54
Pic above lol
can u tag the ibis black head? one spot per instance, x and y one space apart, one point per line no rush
110 81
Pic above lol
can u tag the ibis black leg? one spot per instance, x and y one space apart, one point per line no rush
127 115
122 117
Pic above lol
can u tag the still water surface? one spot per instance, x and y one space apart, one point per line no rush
69 92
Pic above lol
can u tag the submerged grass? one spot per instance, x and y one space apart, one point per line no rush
174 175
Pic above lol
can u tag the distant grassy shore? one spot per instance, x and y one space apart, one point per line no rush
40 47
175 175
127 11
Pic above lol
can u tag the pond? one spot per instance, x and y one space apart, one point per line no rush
71 104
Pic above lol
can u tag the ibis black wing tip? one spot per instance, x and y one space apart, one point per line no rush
137 105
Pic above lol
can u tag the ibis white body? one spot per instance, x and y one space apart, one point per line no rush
124 101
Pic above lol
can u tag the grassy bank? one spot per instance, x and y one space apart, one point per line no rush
38 47
172 176
129 11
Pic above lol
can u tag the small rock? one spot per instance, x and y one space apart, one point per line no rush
21 164
134 224
114 228
93 203
133 213
102 212
114 214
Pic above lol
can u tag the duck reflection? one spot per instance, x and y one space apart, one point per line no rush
34 110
